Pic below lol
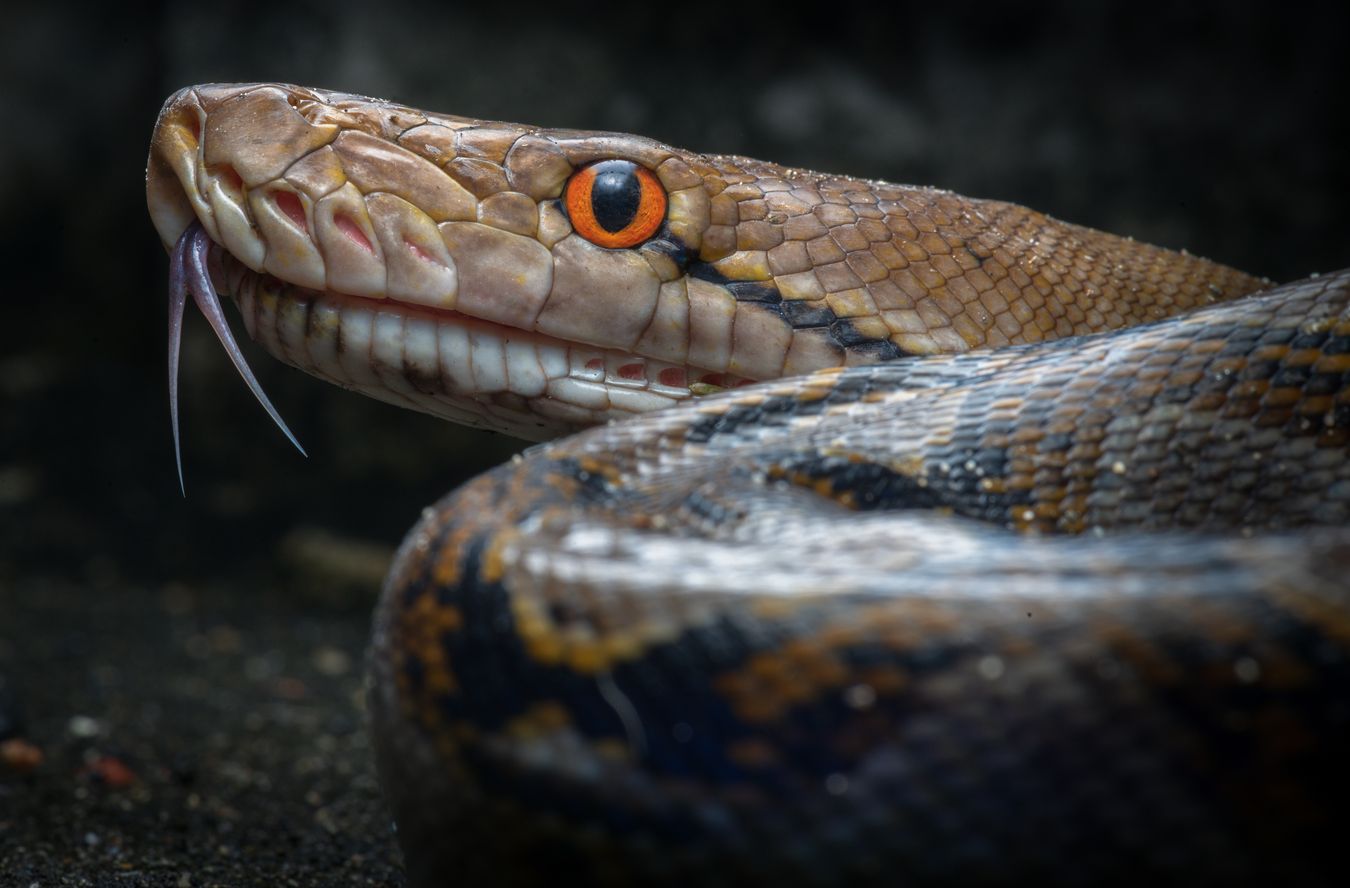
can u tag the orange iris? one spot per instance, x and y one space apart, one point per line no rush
615 203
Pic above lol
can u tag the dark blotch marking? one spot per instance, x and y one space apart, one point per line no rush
743 291
850 337
848 389
710 511
591 486
754 291
1336 345
800 315
949 478
878 349
775 411
870 486
804 314
1324 384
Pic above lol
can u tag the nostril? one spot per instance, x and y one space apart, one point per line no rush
348 227
289 203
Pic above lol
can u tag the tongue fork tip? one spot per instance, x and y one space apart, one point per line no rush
187 272
177 304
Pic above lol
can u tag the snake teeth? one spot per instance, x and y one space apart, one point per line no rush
188 273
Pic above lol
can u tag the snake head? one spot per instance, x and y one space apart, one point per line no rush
528 280
536 281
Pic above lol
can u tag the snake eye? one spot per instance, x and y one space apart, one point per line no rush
615 203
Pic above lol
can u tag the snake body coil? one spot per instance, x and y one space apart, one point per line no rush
1075 611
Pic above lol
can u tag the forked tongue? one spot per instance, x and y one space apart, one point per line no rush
187 272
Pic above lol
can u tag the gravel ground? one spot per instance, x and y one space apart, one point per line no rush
193 735
189 672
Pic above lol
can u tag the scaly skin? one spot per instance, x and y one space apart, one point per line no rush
1064 612
427 260
792 634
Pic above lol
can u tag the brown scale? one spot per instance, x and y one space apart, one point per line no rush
855 263
1243 634
936 272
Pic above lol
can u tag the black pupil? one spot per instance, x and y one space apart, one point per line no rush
615 194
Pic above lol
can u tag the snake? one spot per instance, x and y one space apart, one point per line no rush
875 535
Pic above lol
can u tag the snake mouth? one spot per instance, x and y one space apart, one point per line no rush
438 361
444 306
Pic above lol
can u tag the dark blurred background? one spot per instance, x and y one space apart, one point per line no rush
188 671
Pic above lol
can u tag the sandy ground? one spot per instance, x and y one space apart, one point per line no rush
194 734
191 671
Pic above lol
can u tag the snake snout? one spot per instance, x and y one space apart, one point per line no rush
310 188
171 171
216 156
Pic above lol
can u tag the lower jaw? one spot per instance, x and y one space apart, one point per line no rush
472 372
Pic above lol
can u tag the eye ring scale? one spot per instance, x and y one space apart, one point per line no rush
615 203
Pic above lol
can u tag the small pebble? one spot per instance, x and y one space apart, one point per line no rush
20 756
110 771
